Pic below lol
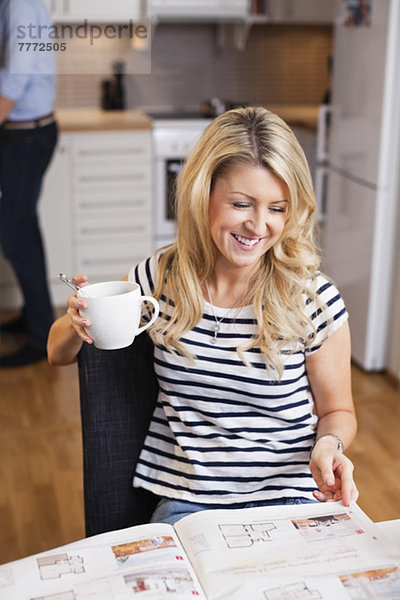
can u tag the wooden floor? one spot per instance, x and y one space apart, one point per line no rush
40 455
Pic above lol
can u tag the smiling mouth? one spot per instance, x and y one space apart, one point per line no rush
245 241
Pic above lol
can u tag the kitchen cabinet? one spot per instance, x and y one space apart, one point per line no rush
236 13
304 12
101 11
195 10
244 11
111 201
95 209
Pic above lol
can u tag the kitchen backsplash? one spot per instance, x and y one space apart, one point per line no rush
280 64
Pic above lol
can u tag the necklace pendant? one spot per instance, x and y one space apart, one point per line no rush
217 327
214 340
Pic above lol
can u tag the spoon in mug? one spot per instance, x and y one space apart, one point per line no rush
72 285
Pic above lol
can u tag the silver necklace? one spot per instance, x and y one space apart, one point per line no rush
217 326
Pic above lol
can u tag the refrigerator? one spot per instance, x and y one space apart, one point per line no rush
358 172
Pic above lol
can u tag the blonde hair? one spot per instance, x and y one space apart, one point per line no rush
250 136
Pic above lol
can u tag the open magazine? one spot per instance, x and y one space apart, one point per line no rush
299 552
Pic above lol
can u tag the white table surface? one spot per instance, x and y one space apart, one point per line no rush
392 530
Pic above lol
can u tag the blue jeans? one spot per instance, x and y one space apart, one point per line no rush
170 511
24 157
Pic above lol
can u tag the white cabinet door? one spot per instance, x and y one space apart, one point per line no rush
100 11
55 218
302 11
111 198
347 258
184 10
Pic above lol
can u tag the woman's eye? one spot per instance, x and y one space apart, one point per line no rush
278 209
241 205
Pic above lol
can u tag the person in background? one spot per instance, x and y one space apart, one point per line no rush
252 346
28 136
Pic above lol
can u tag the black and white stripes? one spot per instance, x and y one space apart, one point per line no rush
224 432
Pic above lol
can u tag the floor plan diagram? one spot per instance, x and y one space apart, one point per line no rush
294 591
55 566
70 595
243 536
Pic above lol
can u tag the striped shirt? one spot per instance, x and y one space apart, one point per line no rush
223 432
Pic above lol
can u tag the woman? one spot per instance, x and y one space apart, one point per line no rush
252 348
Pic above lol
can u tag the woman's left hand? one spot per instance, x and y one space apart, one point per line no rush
333 474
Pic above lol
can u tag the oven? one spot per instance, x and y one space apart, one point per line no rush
173 139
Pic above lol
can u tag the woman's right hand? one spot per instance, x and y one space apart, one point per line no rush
75 303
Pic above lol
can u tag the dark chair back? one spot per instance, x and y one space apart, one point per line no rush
118 391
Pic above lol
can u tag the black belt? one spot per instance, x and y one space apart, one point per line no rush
42 122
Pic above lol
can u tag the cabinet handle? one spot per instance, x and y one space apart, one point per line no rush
321 182
113 178
113 204
110 230
117 260
324 114
106 152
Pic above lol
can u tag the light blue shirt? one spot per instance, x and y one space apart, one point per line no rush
27 75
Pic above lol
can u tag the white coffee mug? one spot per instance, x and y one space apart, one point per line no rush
114 311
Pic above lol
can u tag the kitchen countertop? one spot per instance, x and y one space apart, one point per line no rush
93 119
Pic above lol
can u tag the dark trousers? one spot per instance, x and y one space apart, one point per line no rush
24 157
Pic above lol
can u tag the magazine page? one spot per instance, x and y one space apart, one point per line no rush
321 551
146 561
